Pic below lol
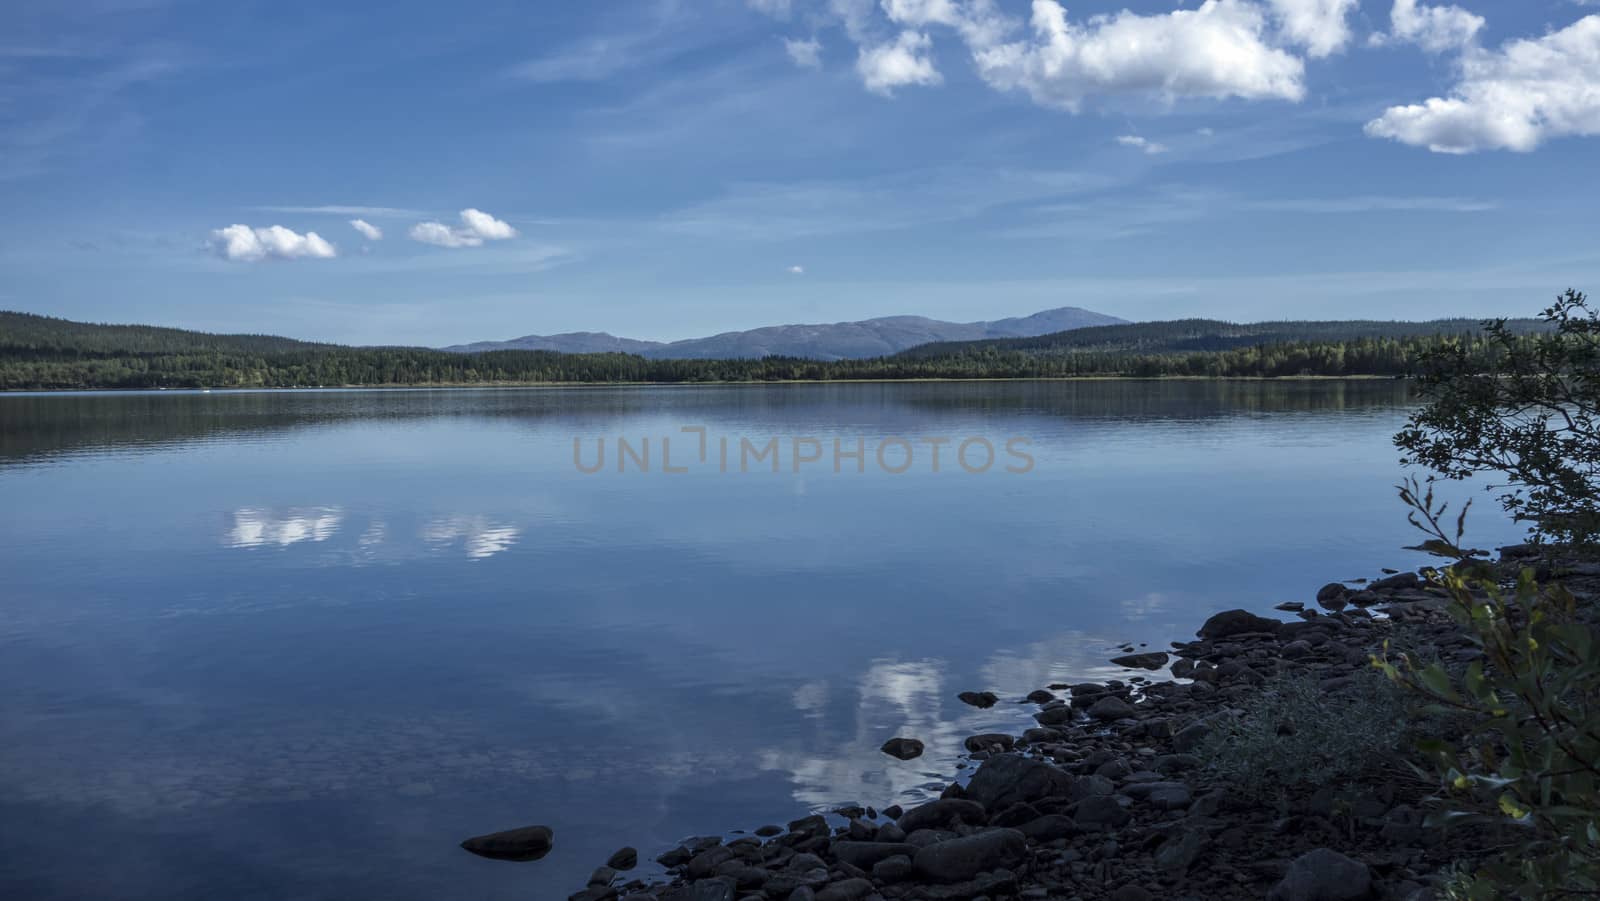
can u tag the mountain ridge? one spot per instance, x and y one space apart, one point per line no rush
855 340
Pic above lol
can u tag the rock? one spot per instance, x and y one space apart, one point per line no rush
1152 660
1323 875
1009 779
846 890
1183 668
1333 591
1190 737
1178 854
602 876
1055 716
989 741
704 890
1100 811
983 699
890 832
1132 893
527 843
1048 828
903 748
624 859
1109 708
1169 796
1041 696
942 812
594 893
1294 650
863 855
1397 582
964 858
706 862
769 831
1237 622
893 869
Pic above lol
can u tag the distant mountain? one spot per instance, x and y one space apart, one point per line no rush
31 332
1204 335
837 341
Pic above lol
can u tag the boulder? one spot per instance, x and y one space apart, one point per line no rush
1237 622
982 699
963 858
624 859
1009 779
1110 708
1324 875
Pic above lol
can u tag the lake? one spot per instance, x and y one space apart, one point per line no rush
300 644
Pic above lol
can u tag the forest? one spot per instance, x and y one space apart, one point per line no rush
38 353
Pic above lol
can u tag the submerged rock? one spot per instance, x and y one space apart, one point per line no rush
1152 660
527 843
980 699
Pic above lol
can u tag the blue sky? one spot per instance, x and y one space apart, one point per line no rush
671 168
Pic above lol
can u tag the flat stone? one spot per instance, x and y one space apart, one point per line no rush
527 843
964 858
1153 660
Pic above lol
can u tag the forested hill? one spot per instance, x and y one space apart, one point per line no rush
23 332
42 353
1194 335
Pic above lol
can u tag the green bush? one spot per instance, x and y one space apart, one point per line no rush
1528 759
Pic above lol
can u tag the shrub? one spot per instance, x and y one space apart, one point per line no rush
1528 759
1528 411
1296 736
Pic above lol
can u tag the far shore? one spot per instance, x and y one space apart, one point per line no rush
417 386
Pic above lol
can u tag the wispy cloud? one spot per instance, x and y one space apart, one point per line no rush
1148 146
374 212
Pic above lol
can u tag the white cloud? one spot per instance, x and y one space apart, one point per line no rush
1433 28
805 54
797 270
1514 98
1217 50
486 226
1148 146
441 235
904 61
243 244
367 229
1320 26
477 227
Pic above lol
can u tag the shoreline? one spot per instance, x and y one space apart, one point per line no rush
479 386
1128 789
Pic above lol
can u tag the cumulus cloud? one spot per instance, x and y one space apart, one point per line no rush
243 244
367 229
476 227
1148 146
1217 50
805 54
797 270
903 61
1515 98
1322 27
1435 29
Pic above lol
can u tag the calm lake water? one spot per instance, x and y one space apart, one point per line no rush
300 644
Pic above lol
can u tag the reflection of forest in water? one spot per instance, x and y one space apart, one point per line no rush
35 426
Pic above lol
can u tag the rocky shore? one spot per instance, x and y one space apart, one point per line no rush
1119 791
